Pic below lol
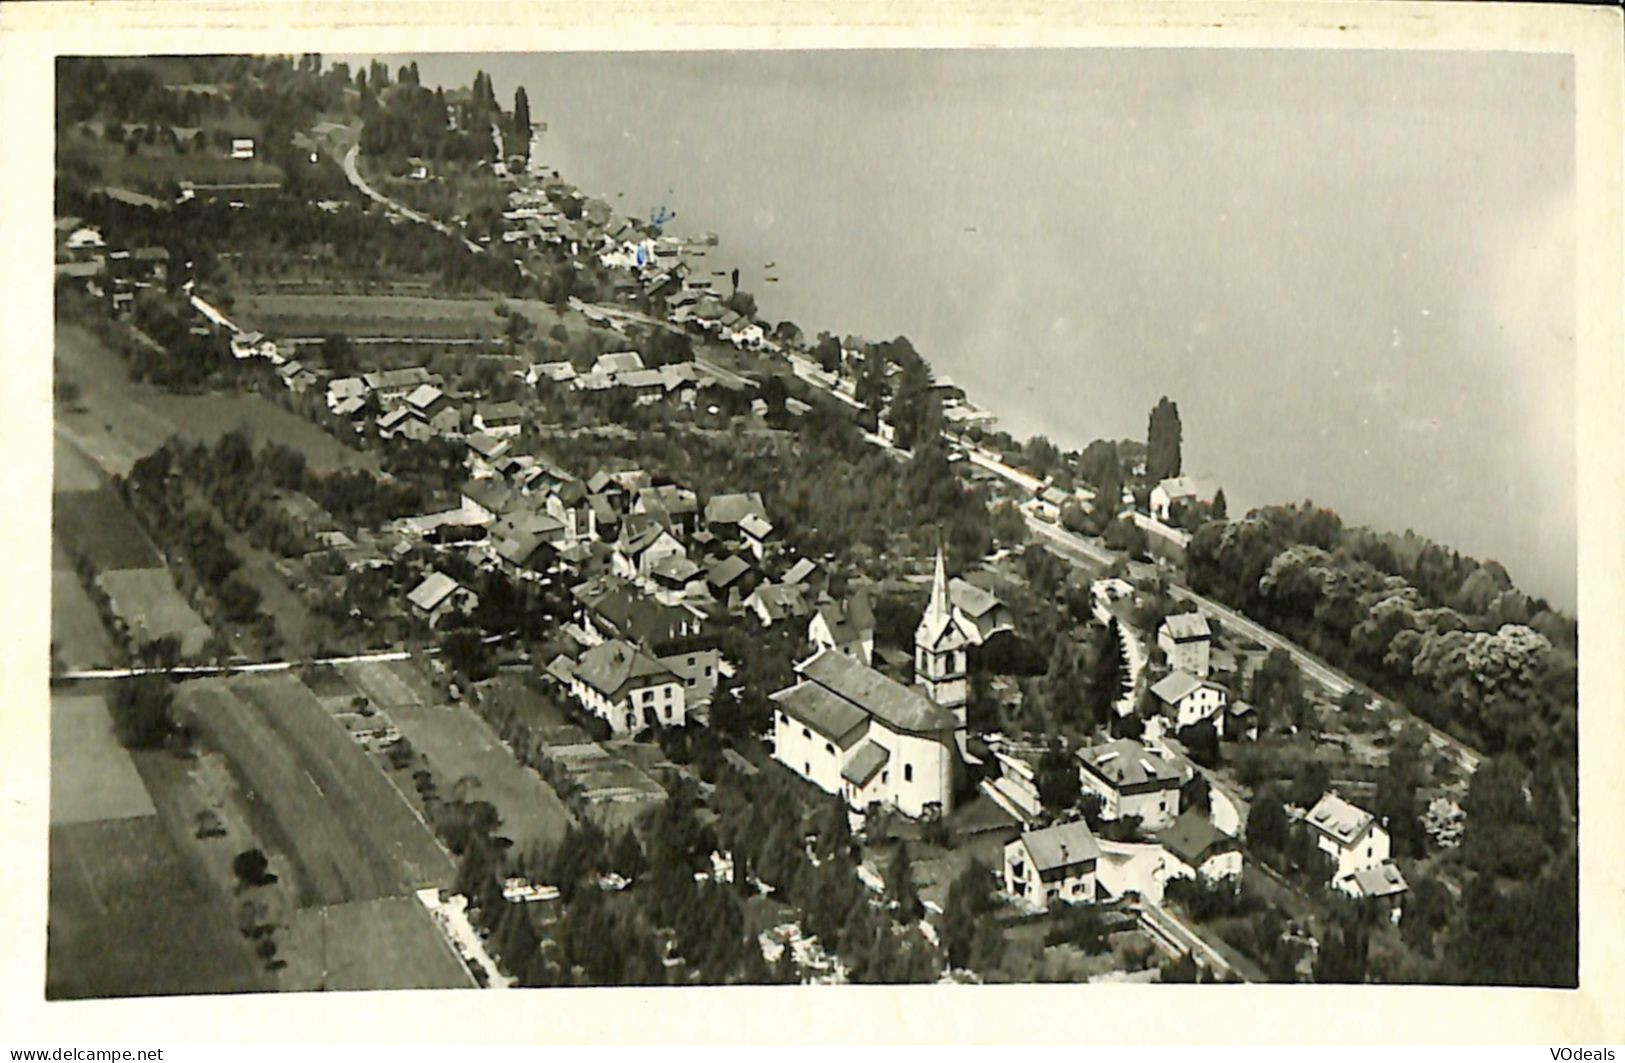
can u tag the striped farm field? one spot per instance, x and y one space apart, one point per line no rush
347 830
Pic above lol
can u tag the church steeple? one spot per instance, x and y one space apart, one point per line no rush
941 647
940 608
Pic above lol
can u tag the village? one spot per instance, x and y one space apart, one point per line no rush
634 639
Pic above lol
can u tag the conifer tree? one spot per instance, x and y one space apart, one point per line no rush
1162 443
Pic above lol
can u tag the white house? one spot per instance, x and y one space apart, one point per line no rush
627 688
1131 780
981 610
756 530
1199 850
502 419
644 543
1349 834
852 731
242 147
1053 864
1180 489
1187 641
438 596
345 390
847 626
1383 884
1103 593
1186 700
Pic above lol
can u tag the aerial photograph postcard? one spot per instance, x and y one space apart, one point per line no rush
804 517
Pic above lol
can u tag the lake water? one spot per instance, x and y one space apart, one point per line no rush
1353 272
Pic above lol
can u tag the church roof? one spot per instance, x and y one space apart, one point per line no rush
878 695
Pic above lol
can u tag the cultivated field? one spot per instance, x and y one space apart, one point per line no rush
122 420
77 634
71 469
156 167
127 920
205 418
342 823
147 600
282 314
91 774
459 744
615 790
99 525
301 314
389 943
388 684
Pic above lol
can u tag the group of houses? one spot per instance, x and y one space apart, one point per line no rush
624 371
656 264
110 272
1065 861
1180 692
854 731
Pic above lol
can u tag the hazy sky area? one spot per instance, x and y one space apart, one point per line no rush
1354 271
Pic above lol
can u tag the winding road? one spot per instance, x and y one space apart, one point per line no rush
353 172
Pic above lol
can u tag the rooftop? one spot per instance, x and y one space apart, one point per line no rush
970 599
618 362
822 710
1061 846
1193 838
611 666
779 601
1176 686
865 763
1200 487
398 378
1124 762
800 571
435 589
1187 626
1339 820
756 525
1383 880
879 695
423 396
726 571
733 508
848 620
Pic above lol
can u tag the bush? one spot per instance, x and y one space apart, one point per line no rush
252 868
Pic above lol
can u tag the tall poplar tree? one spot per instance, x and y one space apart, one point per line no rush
521 111
1162 442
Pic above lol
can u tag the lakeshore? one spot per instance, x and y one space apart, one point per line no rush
1055 322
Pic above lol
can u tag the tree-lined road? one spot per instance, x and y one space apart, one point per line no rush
353 172
1336 683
